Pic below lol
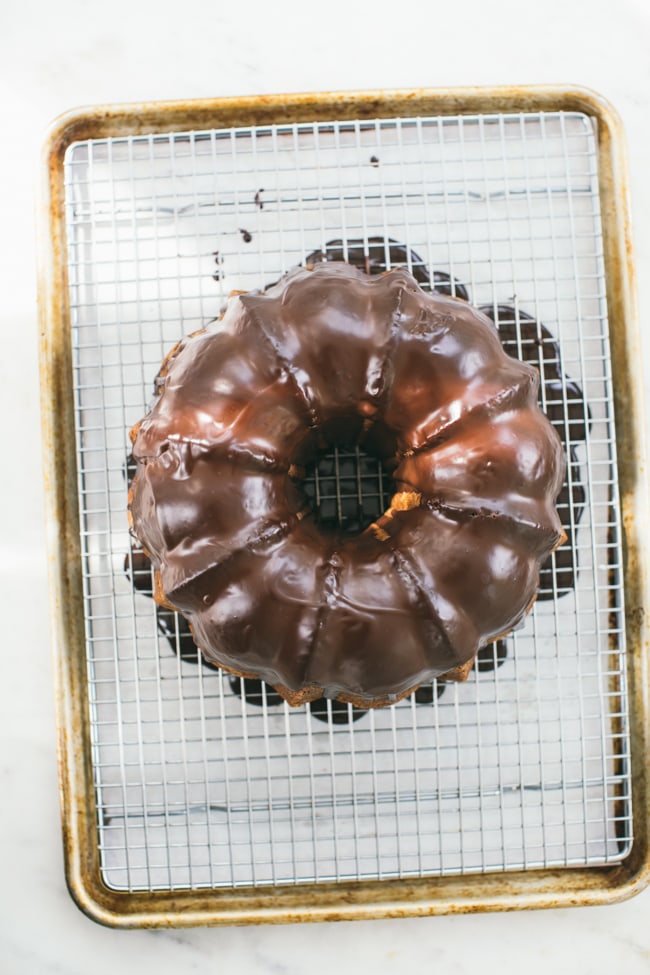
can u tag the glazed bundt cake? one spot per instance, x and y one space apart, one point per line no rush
331 355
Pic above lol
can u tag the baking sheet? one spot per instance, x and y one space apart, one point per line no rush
523 767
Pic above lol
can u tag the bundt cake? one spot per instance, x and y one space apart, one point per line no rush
331 355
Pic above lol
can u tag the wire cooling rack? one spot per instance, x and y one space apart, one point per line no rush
524 766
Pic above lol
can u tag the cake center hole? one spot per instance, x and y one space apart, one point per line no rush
348 489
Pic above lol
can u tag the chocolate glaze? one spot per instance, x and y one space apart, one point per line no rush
423 382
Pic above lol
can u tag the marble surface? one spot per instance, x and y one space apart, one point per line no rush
57 56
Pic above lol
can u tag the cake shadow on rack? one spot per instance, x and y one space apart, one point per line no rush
349 512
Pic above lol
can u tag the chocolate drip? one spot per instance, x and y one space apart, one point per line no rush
428 692
336 712
491 656
254 691
524 338
171 625
378 254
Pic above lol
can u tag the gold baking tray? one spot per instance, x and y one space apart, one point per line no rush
519 889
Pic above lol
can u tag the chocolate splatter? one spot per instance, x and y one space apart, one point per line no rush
254 691
427 692
218 260
336 711
491 656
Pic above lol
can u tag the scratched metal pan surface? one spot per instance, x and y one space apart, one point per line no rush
188 798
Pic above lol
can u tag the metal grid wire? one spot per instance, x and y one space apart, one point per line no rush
521 767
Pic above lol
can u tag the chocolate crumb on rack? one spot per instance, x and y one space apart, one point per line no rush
218 274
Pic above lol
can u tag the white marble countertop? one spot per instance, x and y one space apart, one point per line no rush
57 56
